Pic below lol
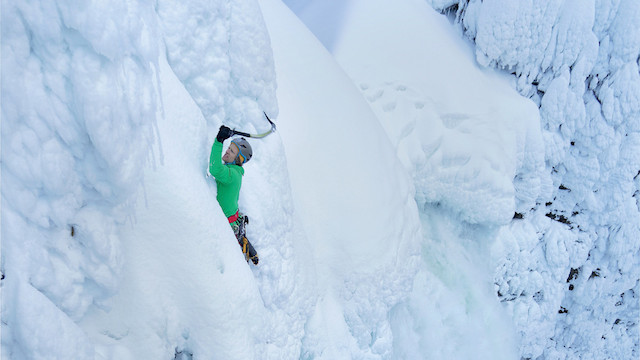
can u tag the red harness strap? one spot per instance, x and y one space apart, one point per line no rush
233 218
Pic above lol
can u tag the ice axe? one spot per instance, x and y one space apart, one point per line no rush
257 136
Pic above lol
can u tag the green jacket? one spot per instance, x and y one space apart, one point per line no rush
228 180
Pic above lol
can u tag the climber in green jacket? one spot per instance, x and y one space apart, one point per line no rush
228 177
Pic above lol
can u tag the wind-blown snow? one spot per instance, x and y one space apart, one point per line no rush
382 208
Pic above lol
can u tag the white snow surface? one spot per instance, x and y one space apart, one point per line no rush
578 60
571 284
382 208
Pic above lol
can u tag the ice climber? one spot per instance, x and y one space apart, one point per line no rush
228 177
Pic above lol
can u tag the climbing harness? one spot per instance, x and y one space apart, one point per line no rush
233 218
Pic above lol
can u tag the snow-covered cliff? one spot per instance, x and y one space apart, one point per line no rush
411 204
578 60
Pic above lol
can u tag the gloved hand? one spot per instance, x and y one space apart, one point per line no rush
224 133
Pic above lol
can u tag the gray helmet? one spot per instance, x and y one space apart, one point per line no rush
244 150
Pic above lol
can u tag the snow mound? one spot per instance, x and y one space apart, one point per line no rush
471 143
351 193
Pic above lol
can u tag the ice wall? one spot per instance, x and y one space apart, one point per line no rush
222 54
78 114
579 62
80 103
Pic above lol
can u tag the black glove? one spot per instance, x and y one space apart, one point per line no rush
224 133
